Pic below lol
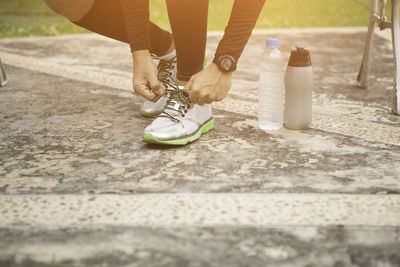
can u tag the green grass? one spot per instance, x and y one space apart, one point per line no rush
33 17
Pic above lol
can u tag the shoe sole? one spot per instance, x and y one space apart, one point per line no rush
207 126
148 115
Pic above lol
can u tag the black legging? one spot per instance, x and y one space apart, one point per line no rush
188 22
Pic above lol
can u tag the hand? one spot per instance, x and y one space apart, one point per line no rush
145 76
208 85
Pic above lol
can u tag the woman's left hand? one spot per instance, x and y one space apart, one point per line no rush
208 85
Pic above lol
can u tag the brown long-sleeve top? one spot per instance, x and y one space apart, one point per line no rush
241 23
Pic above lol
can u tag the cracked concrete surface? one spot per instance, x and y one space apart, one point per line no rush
70 126
236 246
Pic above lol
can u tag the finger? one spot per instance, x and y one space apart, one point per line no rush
210 99
200 98
208 95
200 101
188 85
194 95
203 98
156 86
215 97
144 91
219 98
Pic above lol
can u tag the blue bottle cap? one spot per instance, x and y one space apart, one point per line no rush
274 42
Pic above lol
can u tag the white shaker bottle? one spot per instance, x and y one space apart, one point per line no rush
299 83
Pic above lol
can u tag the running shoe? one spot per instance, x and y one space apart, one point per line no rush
166 73
180 122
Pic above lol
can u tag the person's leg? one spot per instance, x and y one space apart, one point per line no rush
181 121
71 9
105 17
189 29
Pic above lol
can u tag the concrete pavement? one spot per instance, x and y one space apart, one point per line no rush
79 188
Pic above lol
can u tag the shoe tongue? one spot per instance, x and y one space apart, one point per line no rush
169 56
173 108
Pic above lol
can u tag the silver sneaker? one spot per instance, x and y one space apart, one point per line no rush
180 122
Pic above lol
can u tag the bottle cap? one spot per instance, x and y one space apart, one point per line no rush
299 57
274 42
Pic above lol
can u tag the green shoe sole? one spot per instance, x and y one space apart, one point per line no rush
149 138
148 115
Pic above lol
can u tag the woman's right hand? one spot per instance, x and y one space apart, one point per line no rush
145 76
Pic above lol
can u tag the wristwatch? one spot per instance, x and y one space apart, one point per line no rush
226 63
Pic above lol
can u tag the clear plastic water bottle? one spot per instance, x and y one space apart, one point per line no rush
271 87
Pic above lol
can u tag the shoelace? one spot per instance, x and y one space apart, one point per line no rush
164 68
177 102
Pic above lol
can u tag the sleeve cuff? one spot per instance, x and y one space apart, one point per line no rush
140 46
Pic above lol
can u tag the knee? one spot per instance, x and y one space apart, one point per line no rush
73 10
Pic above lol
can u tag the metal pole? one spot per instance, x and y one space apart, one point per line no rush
364 69
396 53
3 76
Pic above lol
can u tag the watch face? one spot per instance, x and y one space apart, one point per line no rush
226 63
